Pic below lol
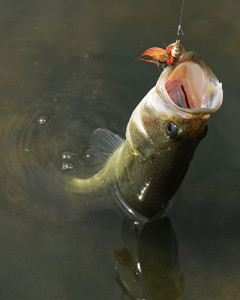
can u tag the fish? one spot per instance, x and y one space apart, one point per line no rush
162 135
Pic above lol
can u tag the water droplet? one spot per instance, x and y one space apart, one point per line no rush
42 120
27 150
67 166
67 155
87 156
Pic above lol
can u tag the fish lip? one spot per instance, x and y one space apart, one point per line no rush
211 106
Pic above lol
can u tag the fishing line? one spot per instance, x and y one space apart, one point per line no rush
179 30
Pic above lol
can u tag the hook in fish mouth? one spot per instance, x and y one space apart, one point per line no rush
191 87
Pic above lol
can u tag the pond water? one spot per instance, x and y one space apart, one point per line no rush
67 68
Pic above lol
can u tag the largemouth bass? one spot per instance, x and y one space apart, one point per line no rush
161 137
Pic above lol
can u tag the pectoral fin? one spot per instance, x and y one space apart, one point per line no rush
102 145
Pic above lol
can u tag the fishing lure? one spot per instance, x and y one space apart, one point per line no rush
160 57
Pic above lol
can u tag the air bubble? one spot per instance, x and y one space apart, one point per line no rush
67 166
67 155
87 156
42 120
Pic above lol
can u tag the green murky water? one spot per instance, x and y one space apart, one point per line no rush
67 68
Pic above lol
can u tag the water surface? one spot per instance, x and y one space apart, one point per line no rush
67 68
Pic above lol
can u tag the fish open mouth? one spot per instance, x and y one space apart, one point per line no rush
192 87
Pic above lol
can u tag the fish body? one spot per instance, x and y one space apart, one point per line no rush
162 134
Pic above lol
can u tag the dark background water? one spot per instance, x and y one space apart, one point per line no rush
73 63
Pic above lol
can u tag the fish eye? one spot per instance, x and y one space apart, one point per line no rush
172 130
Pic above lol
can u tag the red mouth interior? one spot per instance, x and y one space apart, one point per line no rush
188 86
178 92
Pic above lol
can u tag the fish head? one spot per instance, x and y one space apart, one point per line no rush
173 115
191 93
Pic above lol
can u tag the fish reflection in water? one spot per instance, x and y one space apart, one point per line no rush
146 263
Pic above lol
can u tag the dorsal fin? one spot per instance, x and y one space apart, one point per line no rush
102 144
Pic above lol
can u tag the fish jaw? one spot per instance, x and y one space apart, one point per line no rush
190 88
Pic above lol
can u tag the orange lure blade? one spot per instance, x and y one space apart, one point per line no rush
158 56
